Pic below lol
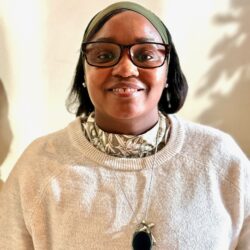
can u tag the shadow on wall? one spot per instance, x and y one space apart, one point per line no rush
5 130
5 72
231 55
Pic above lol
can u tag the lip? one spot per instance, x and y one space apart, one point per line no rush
126 89
126 85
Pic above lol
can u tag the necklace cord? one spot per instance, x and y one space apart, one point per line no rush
151 172
151 177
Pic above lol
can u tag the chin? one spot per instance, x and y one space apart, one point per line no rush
127 112
126 115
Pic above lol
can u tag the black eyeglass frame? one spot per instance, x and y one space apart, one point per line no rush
122 48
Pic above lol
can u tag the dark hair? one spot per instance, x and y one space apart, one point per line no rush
172 98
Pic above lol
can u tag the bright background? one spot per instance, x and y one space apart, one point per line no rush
39 47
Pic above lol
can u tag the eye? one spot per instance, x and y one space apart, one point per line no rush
145 56
100 54
104 56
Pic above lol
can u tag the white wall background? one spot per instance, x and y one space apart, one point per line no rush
39 46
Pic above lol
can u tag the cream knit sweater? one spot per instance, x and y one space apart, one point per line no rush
63 194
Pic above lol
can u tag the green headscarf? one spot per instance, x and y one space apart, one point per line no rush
155 20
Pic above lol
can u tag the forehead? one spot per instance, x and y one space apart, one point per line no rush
128 27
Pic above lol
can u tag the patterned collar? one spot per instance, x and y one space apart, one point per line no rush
129 146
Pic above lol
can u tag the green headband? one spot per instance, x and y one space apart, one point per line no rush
155 20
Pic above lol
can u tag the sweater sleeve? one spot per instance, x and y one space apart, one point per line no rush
13 229
244 239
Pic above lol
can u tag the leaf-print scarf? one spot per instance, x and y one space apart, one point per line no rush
127 145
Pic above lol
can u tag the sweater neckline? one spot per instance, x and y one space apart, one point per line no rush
127 146
87 150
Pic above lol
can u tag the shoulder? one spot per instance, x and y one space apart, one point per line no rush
45 159
200 130
213 151
206 138
46 156
54 144
212 147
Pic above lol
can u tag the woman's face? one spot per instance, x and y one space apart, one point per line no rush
126 94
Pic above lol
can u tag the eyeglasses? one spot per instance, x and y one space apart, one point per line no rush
108 54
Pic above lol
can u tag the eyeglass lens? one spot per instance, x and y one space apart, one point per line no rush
146 55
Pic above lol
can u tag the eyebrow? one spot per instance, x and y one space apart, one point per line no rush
111 39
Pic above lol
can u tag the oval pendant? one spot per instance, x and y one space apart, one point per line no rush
143 238
142 241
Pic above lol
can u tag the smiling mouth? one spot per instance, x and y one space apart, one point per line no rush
125 90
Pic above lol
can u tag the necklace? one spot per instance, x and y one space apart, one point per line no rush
143 238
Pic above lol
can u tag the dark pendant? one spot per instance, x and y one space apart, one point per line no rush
143 238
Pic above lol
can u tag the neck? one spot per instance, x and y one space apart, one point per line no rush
133 126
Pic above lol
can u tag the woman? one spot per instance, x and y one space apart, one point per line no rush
126 174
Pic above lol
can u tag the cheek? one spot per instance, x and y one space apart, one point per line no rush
156 77
95 76
161 78
90 74
161 74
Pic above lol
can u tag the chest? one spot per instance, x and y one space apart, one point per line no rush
101 210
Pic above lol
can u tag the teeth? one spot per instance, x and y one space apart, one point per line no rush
124 90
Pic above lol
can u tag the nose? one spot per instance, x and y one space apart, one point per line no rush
125 67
